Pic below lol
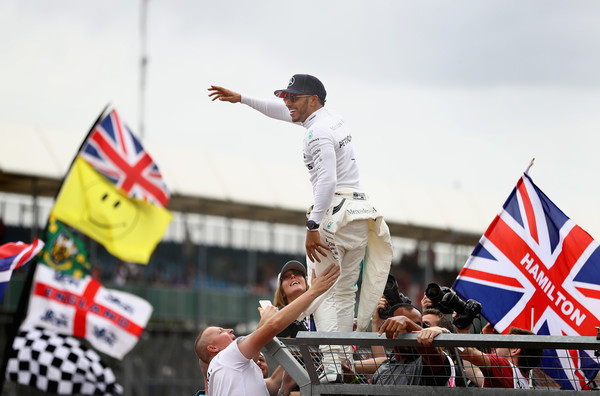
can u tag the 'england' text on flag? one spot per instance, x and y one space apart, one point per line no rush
534 268
111 320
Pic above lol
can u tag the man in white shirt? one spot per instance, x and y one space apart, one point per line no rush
231 369
342 222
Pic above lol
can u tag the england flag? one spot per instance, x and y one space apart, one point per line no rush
111 320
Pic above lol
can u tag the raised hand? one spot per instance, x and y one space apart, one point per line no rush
266 313
223 94
323 282
426 302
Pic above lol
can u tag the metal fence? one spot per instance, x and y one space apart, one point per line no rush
373 377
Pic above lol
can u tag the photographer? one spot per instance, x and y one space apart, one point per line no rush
407 366
394 299
448 302
464 373
505 367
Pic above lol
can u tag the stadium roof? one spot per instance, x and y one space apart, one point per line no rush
36 160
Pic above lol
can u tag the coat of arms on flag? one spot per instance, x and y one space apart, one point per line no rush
111 320
64 251
534 268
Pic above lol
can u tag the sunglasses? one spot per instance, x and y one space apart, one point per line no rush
288 274
293 97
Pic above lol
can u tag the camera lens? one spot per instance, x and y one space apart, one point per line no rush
434 292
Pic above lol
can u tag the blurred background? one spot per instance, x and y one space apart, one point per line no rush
448 104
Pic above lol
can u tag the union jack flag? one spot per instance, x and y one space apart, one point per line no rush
12 256
115 152
534 268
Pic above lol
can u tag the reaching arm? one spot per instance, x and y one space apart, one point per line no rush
271 108
273 383
474 356
279 321
369 366
376 323
223 94
287 384
432 356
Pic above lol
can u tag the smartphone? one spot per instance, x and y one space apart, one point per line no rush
264 303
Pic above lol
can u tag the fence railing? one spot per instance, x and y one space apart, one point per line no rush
385 371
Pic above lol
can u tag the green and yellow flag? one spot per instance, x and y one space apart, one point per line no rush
64 251
128 228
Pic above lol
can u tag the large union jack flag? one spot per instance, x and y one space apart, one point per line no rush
534 268
115 152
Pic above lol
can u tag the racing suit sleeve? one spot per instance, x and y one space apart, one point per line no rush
270 108
323 155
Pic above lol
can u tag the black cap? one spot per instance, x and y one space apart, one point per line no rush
303 84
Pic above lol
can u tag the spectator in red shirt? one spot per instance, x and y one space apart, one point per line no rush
506 367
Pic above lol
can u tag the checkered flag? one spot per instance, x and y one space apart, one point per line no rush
59 364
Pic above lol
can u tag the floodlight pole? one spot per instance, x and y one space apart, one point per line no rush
143 67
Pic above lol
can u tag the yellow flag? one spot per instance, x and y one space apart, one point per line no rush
128 228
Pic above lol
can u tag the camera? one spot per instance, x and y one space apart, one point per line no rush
393 297
447 301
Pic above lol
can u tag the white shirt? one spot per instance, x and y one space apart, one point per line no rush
327 148
231 373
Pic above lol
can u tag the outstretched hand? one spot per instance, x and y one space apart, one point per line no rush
223 94
266 313
320 284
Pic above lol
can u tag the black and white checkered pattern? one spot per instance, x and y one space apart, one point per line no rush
59 364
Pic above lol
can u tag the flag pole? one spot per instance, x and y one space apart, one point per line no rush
100 117
21 311
529 166
532 312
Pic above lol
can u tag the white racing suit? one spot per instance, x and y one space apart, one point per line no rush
354 231
356 235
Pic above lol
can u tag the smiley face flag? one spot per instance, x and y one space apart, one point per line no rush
129 228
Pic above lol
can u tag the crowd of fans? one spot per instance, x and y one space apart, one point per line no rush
174 265
424 364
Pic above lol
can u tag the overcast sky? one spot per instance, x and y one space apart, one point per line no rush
459 94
